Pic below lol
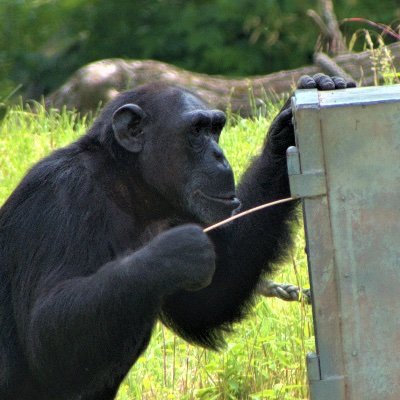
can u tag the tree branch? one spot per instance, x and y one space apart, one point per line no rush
102 80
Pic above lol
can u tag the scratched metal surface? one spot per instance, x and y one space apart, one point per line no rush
352 138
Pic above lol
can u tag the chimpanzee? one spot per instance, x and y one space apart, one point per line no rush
103 237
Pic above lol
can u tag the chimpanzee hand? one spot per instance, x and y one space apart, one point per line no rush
281 133
183 258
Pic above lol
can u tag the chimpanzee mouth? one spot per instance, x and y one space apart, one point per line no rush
228 200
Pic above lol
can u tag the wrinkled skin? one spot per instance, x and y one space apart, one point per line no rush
104 236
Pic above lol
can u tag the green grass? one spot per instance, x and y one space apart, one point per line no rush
27 136
264 357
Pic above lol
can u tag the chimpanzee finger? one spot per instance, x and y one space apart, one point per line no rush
351 84
339 82
282 119
306 82
324 82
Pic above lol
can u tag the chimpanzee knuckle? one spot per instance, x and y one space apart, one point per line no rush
181 236
189 233
285 115
199 274
318 77
188 244
306 82
324 82
200 253
351 84
207 255
281 121
339 82
281 139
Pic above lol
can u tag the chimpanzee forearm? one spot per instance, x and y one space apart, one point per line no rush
250 245
101 319
265 231
105 319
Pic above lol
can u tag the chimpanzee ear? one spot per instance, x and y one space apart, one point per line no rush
127 123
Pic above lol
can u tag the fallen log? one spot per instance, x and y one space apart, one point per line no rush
98 82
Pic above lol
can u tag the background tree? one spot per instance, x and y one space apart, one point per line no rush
43 42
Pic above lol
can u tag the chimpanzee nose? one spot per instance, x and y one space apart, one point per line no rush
219 156
221 180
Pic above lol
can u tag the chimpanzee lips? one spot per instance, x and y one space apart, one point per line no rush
228 200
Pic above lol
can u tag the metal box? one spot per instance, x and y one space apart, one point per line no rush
346 167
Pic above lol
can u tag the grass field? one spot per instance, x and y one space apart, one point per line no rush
264 357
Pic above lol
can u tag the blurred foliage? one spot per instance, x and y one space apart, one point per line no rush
43 41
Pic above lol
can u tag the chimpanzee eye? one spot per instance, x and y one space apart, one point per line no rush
197 137
196 130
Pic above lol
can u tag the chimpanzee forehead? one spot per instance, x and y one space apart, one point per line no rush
173 105
190 102
175 101
193 111
163 104
179 100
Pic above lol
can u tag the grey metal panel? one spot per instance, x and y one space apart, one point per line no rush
353 236
320 250
361 96
330 388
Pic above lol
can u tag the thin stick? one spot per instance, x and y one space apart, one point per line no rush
249 211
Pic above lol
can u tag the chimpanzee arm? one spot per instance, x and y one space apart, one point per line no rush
245 248
81 325
85 329
248 246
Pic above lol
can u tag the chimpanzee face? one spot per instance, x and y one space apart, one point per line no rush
175 137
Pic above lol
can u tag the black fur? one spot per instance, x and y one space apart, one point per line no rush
95 245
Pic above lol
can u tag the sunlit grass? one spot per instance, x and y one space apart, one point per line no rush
264 357
27 136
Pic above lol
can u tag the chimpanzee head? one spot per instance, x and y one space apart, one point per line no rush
173 137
